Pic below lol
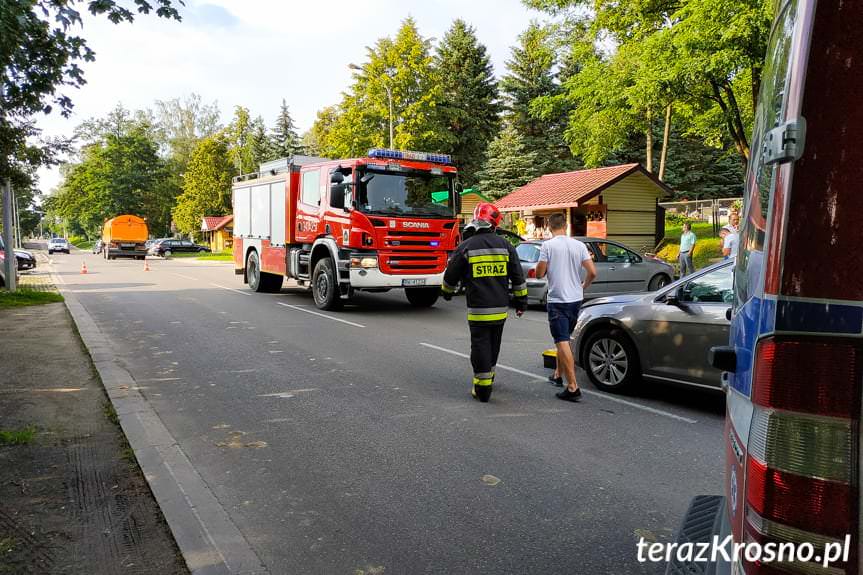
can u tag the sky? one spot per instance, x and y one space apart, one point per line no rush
255 52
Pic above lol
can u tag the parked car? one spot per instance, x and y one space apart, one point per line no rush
619 269
663 335
97 247
58 245
25 259
166 247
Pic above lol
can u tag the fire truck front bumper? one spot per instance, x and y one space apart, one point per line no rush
374 278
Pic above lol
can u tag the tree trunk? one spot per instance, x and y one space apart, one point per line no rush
733 124
665 136
648 160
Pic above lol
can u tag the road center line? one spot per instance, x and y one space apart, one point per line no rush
323 315
232 289
585 391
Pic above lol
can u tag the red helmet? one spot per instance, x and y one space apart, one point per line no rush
486 212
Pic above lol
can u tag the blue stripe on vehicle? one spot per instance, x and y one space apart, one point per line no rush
818 317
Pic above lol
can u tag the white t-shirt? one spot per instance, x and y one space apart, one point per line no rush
730 241
564 256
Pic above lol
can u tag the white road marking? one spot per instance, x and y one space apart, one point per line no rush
585 391
185 276
323 315
288 394
232 289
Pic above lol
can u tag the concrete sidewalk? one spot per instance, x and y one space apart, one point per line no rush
72 498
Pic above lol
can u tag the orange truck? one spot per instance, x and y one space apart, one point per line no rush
125 237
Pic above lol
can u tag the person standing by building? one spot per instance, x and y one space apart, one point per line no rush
486 264
687 248
564 260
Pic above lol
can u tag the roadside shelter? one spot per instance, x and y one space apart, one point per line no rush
616 202
218 232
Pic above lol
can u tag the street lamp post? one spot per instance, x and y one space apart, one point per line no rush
389 90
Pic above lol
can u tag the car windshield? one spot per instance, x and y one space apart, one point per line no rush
405 193
528 253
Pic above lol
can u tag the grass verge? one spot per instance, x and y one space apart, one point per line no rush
24 297
17 436
218 256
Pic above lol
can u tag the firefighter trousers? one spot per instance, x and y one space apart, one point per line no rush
484 348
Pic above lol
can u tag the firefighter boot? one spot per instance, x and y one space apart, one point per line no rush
481 392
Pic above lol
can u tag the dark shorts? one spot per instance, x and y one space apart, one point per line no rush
561 319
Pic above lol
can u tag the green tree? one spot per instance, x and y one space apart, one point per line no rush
286 143
262 144
531 75
469 108
703 56
181 123
206 186
122 173
40 54
509 164
404 68
242 144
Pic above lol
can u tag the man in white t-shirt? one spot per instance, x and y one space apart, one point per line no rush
564 260
730 239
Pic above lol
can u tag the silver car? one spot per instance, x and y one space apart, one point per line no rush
663 335
619 269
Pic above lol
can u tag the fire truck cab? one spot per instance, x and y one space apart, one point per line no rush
793 363
342 226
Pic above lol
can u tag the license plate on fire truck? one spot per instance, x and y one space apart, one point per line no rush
414 282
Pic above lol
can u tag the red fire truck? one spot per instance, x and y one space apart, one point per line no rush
341 226
794 363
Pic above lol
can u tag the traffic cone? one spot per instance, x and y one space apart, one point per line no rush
146 265
83 267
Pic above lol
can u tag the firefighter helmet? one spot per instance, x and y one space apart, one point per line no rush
485 215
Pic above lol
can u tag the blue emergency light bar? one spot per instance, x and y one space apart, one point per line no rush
384 153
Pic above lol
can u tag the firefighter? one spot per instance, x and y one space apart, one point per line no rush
485 264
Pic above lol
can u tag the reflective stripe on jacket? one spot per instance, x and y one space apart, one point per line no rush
486 264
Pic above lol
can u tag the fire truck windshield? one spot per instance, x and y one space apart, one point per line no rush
404 193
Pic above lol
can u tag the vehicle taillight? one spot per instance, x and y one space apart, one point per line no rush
531 273
801 482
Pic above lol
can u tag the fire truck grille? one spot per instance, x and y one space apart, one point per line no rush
413 263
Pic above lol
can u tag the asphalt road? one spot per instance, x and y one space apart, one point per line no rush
348 442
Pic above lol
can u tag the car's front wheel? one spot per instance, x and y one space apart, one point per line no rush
610 360
658 281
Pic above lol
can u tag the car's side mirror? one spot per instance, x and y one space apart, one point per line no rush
674 298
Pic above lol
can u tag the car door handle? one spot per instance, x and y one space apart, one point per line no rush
611 268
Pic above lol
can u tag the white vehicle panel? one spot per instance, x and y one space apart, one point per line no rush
261 211
242 212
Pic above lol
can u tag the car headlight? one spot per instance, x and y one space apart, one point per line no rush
364 262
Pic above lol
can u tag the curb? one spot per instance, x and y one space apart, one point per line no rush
210 542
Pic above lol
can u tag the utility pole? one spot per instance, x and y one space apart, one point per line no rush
9 262
20 242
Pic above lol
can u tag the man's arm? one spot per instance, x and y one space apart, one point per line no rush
516 277
591 273
726 245
455 271
542 266
541 269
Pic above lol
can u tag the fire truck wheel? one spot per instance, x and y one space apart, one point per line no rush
261 281
325 289
610 360
422 297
